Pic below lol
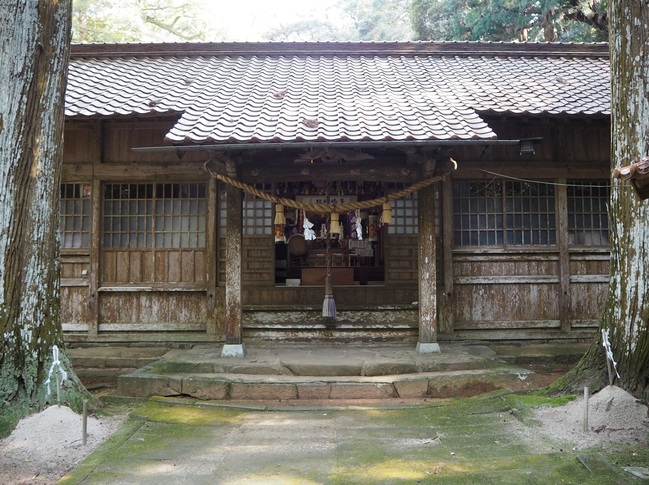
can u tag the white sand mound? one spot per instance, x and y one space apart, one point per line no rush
614 416
44 446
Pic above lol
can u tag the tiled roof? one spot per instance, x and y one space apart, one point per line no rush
275 92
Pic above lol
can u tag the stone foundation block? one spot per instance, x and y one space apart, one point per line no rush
362 391
412 388
314 391
134 385
256 391
205 388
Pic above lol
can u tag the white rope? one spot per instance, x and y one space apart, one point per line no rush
56 363
609 352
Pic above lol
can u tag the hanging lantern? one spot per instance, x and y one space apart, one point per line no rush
387 213
334 224
280 218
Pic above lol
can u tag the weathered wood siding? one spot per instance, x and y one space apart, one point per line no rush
75 303
175 267
258 266
485 293
401 259
589 275
503 291
535 292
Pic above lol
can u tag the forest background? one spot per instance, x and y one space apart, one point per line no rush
339 20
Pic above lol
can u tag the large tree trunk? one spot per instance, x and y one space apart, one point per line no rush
627 308
35 38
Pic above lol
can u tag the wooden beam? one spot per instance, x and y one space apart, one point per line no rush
427 267
372 171
233 311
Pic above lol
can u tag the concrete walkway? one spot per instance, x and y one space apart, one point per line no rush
483 440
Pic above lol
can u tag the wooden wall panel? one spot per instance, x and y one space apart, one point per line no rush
160 267
153 307
74 305
73 268
505 305
121 136
590 265
81 142
258 265
401 259
587 301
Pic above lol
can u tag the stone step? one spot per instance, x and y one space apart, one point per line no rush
114 357
246 387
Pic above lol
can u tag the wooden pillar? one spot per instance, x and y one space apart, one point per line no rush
427 342
211 248
233 332
446 325
564 255
94 301
95 248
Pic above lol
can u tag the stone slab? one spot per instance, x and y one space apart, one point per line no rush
346 390
206 388
142 385
314 391
389 368
414 388
256 391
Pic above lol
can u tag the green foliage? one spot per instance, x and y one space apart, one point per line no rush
510 20
8 421
366 20
139 21
380 19
308 31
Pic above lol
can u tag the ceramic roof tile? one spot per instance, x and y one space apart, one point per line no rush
226 93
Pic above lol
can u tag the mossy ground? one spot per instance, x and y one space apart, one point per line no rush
461 441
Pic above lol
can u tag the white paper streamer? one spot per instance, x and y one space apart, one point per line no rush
56 363
609 353
309 233
357 225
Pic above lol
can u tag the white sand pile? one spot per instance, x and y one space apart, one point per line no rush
614 416
45 446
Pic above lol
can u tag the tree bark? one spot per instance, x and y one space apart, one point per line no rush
35 38
626 312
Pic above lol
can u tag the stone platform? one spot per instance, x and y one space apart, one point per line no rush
293 372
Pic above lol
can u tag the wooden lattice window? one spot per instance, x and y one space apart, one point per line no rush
74 208
154 234
504 213
588 213
404 216
161 216
223 208
257 214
